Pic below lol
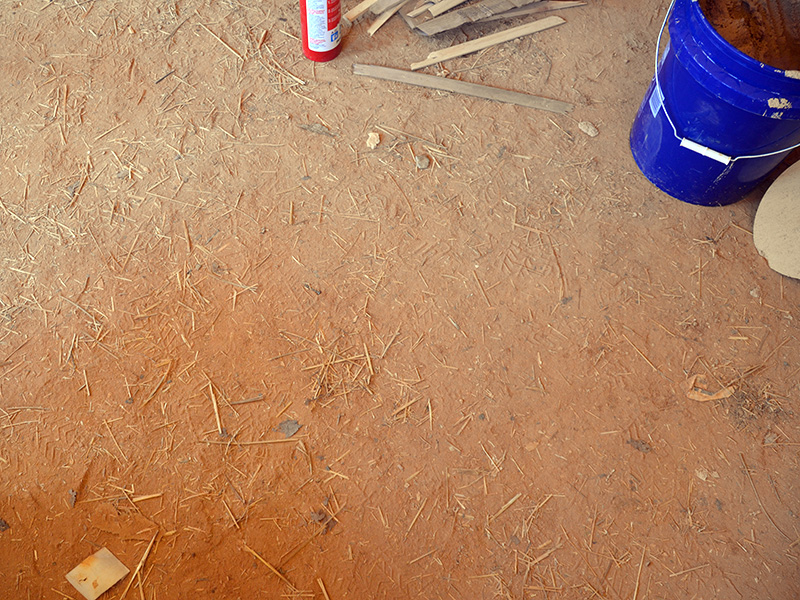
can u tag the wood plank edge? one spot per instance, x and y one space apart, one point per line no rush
462 87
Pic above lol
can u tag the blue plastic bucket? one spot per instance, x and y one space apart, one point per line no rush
714 121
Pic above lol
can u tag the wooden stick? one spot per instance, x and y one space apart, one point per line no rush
385 16
472 13
488 41
533 9
462 87
359 9
420 9
419 13
381 6
443 6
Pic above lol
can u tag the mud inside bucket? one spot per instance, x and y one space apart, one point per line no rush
715 121
767 30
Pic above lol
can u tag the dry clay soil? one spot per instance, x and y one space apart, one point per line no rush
273 362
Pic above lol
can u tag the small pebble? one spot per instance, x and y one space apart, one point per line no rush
373 139
588 128
423 162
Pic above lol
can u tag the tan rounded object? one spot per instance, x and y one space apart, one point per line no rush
776 231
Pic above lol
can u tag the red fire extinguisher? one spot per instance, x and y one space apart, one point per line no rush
319 25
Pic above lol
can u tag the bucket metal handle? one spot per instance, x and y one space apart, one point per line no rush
686 142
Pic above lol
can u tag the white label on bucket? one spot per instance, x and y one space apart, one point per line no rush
322 18
656 100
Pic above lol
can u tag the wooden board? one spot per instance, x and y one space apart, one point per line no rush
443 6
538 7
359 9
97 573
461 87
488 41
385 16
469 14
417 11
381 6
776 230
414 21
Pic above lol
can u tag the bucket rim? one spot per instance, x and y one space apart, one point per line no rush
738 54
726 71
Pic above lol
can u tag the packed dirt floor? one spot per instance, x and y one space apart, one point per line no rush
273 362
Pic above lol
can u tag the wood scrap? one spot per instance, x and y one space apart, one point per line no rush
385 16
537 7
461 87
381 6
469 14
421 8
488 41
359 9
697 389
413 17
442 7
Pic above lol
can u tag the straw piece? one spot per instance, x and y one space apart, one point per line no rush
322 587
761 504
139 566
639 574
269 566
505 507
